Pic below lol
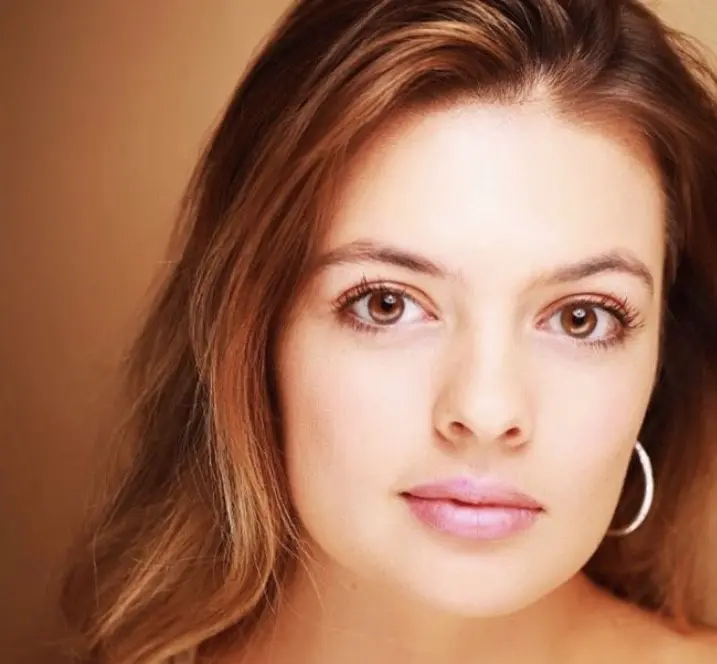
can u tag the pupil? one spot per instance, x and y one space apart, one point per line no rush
579 321
385 307
388 302
579 317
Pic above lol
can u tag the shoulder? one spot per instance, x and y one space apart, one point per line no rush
698 648
671 647
639 636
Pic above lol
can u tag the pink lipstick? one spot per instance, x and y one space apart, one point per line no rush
483 510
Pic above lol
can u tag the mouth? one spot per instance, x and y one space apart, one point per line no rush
471 509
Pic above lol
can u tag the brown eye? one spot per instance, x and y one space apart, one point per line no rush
604 323
385 307
377 306
579 321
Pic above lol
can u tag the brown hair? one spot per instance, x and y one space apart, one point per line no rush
199 535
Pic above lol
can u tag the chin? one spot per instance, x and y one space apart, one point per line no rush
409 567
479 595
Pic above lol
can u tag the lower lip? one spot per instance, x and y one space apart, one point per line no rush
475 522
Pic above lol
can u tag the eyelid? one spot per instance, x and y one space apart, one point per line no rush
626 317
366 287
615 304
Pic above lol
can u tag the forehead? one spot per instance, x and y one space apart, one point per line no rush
487 189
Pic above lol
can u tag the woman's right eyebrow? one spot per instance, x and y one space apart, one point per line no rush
369 251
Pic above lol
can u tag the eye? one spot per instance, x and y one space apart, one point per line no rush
587 321
373 306
386 307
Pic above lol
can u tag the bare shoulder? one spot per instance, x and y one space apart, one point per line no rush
638 636
669 646
698 648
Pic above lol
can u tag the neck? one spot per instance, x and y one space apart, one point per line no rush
326 617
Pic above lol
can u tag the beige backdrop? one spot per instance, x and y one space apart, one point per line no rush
103 108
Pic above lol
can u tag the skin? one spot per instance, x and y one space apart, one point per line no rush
479 367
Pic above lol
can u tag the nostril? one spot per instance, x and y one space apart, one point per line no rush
458 429
514 436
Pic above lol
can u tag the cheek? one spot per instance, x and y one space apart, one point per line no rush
588 426
353 420
357 427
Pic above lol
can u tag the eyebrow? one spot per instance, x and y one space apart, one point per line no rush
367 251
611 261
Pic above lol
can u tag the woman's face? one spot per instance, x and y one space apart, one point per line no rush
465 378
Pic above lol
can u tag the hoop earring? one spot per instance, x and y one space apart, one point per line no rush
646 499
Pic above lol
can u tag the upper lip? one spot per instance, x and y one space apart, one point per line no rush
486 493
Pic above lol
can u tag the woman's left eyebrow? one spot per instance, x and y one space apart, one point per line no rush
611 261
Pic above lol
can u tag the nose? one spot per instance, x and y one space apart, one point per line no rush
483 397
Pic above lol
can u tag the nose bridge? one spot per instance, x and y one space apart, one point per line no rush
485 388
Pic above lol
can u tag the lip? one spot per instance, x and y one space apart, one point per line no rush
484 510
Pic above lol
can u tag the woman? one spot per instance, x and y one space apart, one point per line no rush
448 267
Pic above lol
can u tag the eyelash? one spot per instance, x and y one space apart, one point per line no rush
627 316
358 292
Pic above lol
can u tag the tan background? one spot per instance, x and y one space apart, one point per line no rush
103 108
